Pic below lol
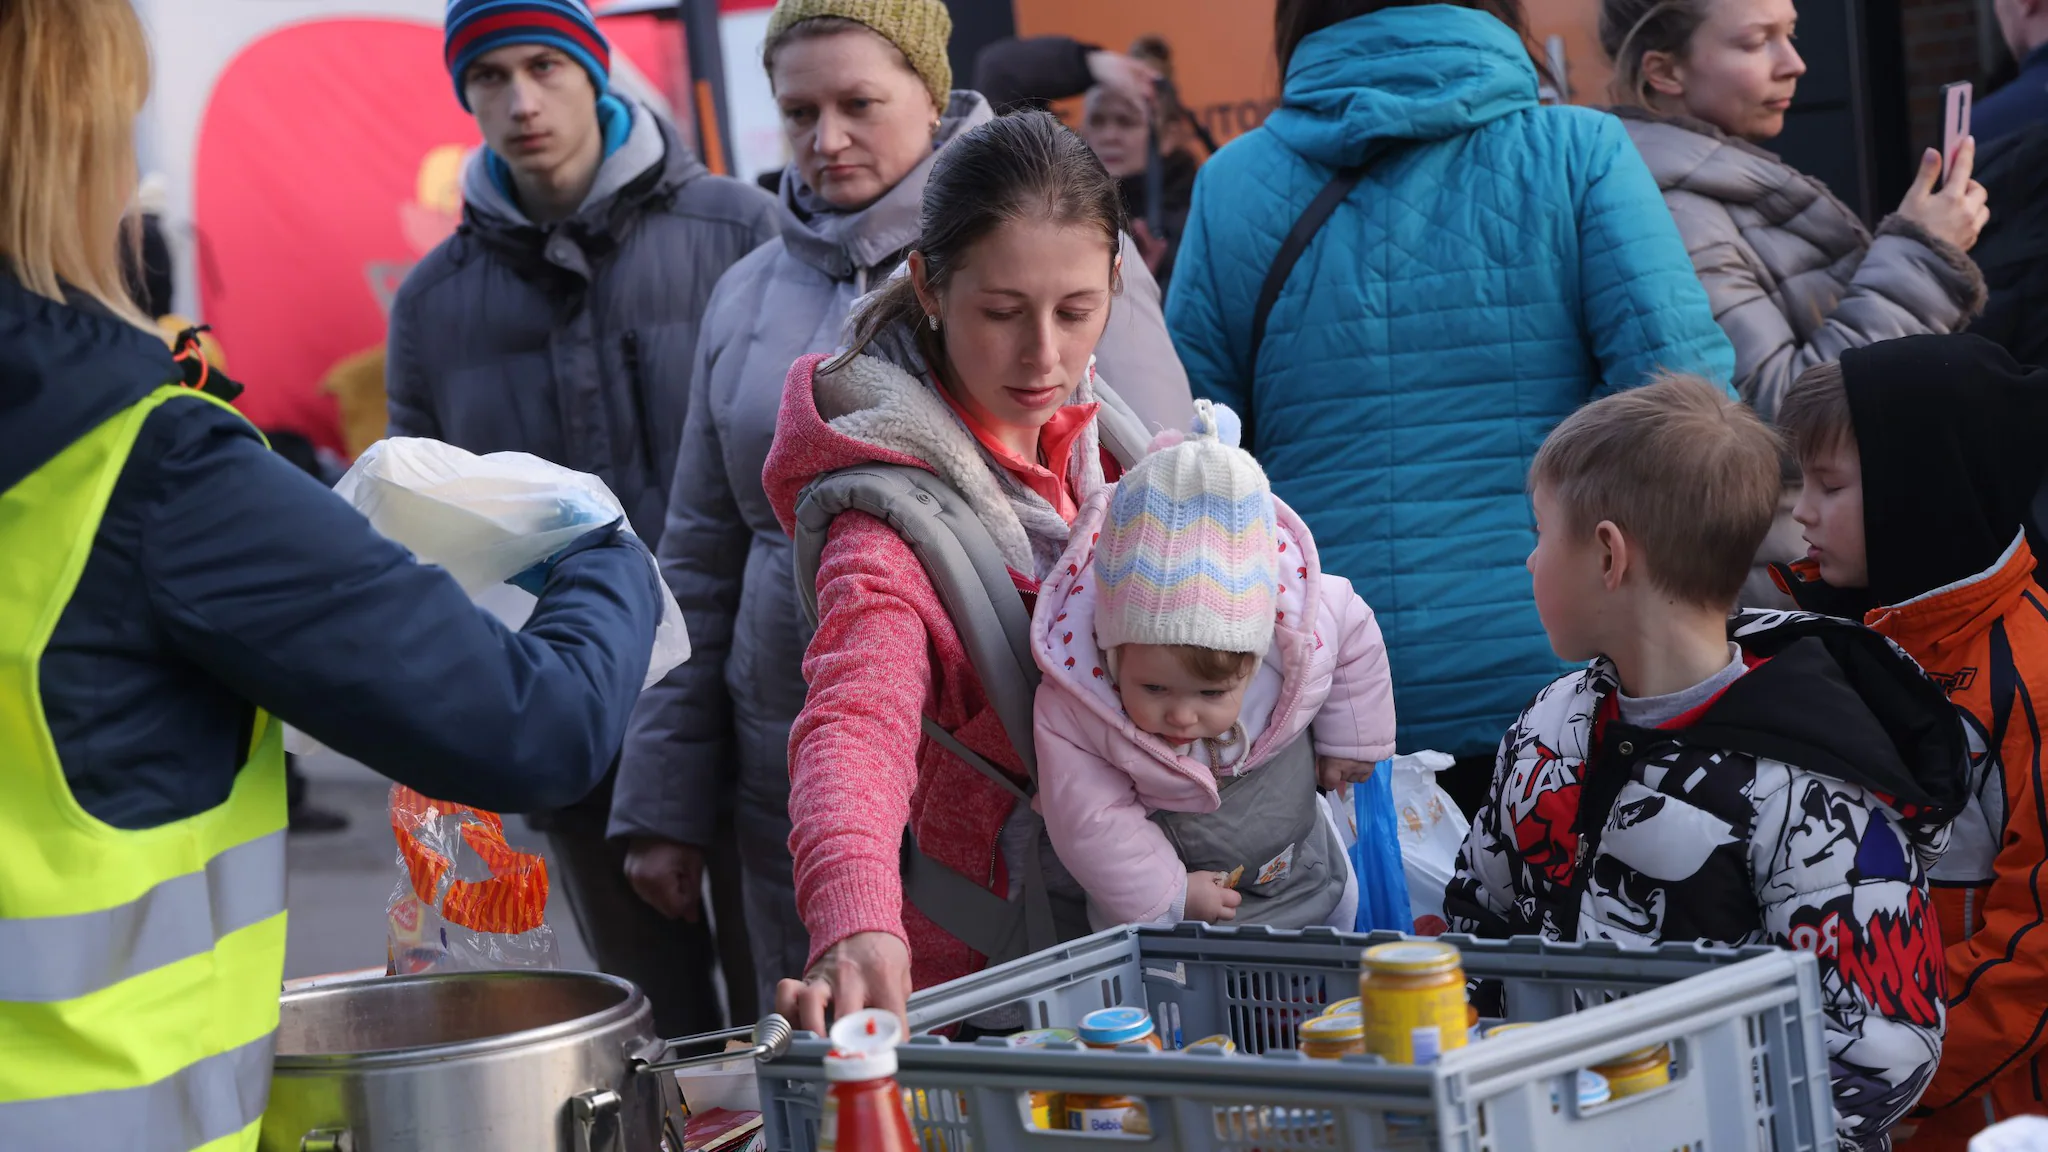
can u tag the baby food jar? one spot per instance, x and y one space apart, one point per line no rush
1637 1072
1502 1029
1351 1007
1332 1037
1046 1111
1414 995
1593 1089
1219 1042
1112 1028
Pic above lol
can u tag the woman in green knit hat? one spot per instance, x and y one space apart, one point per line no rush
866 96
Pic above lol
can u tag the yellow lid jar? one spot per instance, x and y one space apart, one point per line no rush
1637 1072
1332 1037
1411 987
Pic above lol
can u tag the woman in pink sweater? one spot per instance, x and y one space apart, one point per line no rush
1203 676
976 366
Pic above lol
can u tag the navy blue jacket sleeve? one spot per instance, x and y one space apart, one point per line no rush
276 586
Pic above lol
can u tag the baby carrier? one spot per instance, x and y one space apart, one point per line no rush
973 582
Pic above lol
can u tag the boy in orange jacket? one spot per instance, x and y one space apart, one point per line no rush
1923 460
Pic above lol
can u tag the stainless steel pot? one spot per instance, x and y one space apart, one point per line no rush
469 1062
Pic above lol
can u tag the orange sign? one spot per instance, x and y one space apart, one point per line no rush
1223 49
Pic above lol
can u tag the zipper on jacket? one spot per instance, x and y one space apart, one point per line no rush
629 349
1969 912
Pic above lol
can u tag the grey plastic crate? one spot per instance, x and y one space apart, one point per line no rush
1749 1068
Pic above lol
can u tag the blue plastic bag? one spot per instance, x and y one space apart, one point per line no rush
1376 857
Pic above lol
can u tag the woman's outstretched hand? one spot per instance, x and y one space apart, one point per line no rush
865 970
1960 210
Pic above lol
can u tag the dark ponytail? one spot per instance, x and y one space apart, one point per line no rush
1025 166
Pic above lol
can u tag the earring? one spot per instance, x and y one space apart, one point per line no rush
934 318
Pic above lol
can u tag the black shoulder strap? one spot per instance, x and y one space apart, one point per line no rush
1305 228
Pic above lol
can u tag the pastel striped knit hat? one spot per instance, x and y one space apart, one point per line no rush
474 27
1188 550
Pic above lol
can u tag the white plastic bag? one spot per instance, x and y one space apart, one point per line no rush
1431 827
487 518
2019 1134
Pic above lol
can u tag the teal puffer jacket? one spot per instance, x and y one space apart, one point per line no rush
1513 263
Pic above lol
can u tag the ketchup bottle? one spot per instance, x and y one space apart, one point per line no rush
864 1109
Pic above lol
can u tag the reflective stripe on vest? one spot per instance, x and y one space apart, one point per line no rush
139 968
207 1103
64 957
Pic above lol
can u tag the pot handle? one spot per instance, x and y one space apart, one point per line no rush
771 1039
327 1140
595 1117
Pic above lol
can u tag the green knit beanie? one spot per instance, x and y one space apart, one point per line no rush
918 28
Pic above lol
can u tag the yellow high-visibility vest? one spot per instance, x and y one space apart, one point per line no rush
139 969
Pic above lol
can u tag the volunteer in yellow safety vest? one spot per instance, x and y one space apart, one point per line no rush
169 593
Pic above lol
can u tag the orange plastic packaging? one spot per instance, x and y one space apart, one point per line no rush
439 921
864 1109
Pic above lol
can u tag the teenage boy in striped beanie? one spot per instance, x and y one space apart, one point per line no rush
562 321
1203 676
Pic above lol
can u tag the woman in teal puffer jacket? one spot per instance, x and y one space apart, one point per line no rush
1500 264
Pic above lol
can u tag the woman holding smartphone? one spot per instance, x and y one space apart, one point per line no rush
1794 275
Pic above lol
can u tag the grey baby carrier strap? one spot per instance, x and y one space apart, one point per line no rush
973 583
1271 819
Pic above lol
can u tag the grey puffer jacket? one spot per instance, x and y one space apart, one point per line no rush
727 712
1793 275
573 342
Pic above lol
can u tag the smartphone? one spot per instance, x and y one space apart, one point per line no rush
1955 122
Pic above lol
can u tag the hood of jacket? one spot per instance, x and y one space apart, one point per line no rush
1939 624
652 163
1063 643
844 244
1954 463
875 409
67 369
1420 72
1835 698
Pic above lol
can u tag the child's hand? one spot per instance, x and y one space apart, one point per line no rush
1209 900
1337 775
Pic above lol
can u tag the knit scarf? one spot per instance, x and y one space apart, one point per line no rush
889 399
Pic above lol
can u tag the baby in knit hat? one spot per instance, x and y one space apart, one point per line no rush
1203 679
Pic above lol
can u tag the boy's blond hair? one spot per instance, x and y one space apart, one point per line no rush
1815 411
1690 474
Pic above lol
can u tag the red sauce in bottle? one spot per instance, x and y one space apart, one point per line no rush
864 1108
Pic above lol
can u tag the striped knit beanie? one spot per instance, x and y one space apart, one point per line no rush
475 27
920 29
1188 550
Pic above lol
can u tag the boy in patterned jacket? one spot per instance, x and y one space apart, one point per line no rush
1768 777
1924 460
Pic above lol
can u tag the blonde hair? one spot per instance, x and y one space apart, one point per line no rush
1689 473
73 77
1211 664
1815 412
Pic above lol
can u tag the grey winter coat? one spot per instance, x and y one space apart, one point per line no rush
1793 275
728 711
574 342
